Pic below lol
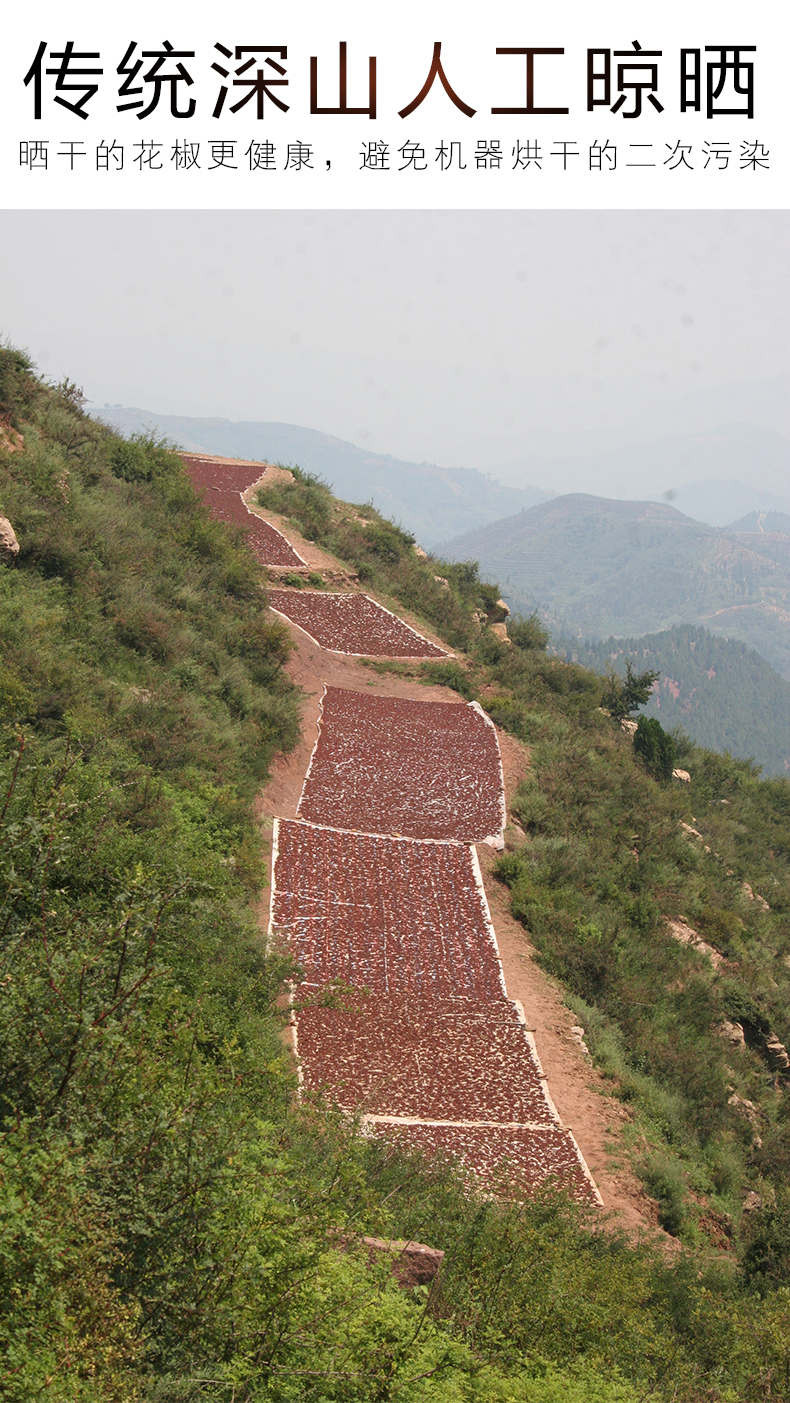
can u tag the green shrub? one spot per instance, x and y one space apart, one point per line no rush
527 633
17 385
450 674
140 459
664 1178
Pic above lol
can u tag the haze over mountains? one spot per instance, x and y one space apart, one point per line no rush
709 609
762 522
430 501
716 475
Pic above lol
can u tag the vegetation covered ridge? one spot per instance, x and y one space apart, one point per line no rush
174 1227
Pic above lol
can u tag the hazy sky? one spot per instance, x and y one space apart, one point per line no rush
483 339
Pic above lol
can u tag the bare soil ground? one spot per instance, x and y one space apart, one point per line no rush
333 570
578 1090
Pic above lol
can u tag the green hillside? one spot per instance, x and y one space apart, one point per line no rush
721 693
175 1226
594 568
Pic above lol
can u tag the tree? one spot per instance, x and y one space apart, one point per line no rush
624 695
654 747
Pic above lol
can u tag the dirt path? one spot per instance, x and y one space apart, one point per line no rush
596 1118
332 569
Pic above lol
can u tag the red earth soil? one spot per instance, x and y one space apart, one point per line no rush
353 624
421 769
386 914
221 486
509 1160
432 1058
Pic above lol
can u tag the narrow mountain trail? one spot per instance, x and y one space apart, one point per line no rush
505 1084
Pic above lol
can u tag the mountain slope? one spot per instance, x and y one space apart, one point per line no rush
176 1225
427 500
595 567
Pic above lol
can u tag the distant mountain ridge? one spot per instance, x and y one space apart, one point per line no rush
718 503
760 522
428 500
594 567
716 475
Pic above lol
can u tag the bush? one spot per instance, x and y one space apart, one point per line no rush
664 1178
766 1260
450 674
17 384
386 541
141 459
528 633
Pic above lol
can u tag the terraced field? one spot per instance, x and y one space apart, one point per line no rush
424 769
385 914
424 1057
221 485
351 623
505 1159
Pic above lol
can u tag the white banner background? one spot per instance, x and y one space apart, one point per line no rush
402 40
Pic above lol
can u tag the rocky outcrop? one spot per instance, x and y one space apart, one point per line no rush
768 1044
777 1055
733 1032
412 1263
686 935
577 1033
9 545
750 1113
754 896
695 833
